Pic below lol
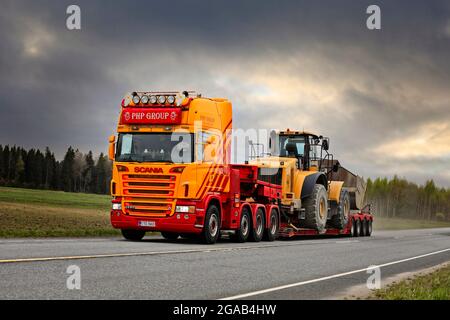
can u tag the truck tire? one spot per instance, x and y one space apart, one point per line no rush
133 235
211 228
357 228
363 228
169 235
243 232
341 211
369 228
258 226
316 209
271 233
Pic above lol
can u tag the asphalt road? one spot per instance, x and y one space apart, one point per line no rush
112 268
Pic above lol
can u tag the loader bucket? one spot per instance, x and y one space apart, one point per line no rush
354 184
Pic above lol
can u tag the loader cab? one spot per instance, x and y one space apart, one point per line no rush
306 147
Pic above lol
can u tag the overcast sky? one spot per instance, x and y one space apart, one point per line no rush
382 96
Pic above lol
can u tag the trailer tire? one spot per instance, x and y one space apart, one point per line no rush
363 228
133 235
243 232
341 211
357 228
369 228
316 209
257 229
170 235
211 228
271 233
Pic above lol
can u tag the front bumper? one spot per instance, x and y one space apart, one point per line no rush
178 222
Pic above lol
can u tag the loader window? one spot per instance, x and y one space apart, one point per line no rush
299 141
155 147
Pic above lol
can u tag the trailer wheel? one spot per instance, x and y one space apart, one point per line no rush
341 211
257 230
133 235
363 228
357 229
244 226
369 228
316 209
211 229
169 235
271 233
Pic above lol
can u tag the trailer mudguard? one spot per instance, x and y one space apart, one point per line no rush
310 181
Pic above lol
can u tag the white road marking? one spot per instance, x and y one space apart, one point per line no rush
297 284
151 253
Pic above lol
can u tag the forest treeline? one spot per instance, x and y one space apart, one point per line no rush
400 198
78 172
37 169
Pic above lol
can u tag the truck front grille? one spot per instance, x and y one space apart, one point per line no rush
148 195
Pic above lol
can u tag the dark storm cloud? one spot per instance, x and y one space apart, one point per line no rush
303 64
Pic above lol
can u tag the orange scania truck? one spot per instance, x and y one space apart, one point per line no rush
172 174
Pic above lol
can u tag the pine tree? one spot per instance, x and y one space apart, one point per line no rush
67 170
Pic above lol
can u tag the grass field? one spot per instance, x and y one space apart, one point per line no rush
382 223
41 213
433 286
38 213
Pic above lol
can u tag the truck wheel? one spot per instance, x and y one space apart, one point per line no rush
341 211
363 228
244 226
316 209
211 229
271 233
257 230
133 235
357 229
169 235
369 228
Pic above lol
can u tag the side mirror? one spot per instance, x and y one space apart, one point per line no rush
326 144
112 147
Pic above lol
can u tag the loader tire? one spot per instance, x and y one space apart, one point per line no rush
258 226
316 209
133 235
271 233
211 229
341 211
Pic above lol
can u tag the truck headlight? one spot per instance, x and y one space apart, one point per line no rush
117 206
185 209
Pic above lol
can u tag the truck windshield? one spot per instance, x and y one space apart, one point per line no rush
155 147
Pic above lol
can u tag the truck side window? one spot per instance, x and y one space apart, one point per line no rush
205 152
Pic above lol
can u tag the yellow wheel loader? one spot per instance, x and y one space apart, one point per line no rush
317 193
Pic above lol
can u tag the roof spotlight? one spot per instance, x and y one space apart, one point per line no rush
153 99
136 99
161 99
171 99
144 99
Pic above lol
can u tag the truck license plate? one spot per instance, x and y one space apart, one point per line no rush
147 223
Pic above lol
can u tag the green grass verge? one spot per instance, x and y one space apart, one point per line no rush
40 213
382 223
55 198
433 286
